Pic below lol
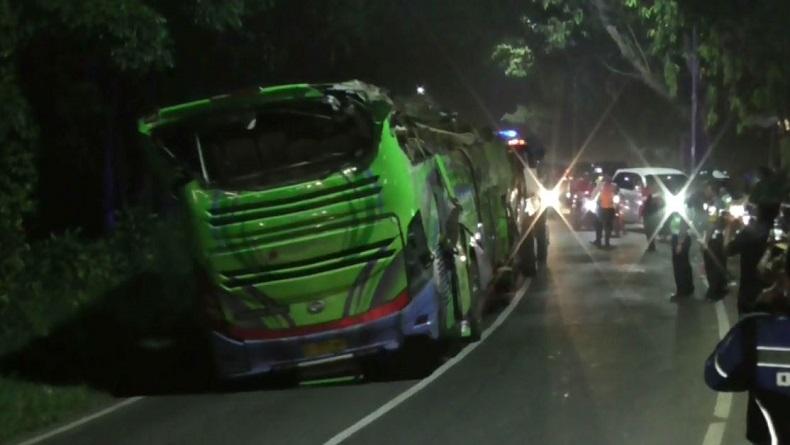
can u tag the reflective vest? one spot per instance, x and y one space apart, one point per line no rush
606 194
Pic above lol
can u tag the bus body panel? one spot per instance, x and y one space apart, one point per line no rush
319 268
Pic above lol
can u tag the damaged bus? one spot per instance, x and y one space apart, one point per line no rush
328 224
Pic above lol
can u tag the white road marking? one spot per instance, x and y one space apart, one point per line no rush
123 403
722 319
715 433
422 384
723 405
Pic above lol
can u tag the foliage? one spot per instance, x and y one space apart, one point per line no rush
66 273
66 277
742 47
29 406
17 162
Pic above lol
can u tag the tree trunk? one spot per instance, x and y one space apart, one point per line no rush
108 169
557 124
575 116
694 70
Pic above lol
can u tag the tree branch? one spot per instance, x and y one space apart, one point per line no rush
645 60
645 74
620 72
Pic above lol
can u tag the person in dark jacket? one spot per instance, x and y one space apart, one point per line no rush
651 214
713 255
681 265
755 356
683 228
750 243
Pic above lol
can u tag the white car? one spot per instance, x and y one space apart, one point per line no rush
632 183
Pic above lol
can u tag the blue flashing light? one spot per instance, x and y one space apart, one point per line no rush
508 134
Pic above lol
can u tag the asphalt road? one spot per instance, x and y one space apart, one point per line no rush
594 353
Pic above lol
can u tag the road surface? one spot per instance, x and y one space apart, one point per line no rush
594 353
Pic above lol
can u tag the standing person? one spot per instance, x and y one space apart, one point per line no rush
681 265
755 356
681 228
650 214
605 193
750 243
530 154
537 153
713 255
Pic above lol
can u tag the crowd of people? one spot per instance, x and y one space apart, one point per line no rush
755 355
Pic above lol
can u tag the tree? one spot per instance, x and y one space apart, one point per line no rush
738 50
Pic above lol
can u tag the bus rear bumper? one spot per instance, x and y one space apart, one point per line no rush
245 358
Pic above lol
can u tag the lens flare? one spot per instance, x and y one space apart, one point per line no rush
550 198
738 211
676 204
591 206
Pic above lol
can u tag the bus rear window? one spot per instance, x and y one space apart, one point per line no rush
277 145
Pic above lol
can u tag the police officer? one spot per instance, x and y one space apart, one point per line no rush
605 193
715 261
755 356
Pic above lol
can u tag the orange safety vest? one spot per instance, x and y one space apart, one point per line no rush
606 196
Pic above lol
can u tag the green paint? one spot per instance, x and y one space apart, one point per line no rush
272 252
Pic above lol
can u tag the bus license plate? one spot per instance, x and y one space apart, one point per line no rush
322 348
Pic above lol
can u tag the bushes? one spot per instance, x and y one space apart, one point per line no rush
63 274
75 312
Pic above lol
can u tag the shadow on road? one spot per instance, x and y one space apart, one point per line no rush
140 340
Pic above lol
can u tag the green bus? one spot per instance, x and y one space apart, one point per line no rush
330 224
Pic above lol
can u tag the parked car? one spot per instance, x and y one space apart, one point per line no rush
633 183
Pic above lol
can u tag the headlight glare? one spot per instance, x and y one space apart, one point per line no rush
550 198
676 204
591 206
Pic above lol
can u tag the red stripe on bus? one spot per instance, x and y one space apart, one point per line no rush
382 311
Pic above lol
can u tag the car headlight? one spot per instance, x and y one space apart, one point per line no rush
550 198
590 206
737 211
676 204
